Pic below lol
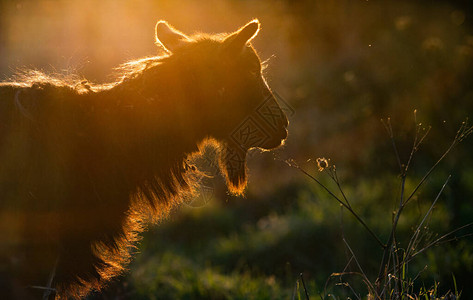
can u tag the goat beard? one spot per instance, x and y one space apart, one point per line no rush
232 162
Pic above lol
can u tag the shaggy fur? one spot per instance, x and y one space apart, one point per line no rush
83 167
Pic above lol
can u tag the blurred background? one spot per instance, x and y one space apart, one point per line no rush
341 67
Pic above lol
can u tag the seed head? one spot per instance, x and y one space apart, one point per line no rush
322 163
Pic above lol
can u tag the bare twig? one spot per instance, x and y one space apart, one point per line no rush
365 278
442 239
344 274
462 133
417 231
389 129
303 285
333 174
291 163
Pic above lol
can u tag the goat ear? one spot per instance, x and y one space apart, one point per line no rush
170 38
242 36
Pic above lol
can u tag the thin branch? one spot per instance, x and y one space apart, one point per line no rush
303 285
388 251
340 275
462 133
294 165
417 141
333 174
389 129
360 268
442 238
417 231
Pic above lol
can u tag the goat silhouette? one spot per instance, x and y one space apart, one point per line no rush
83 167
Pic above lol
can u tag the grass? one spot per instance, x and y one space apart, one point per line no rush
299 244
392 281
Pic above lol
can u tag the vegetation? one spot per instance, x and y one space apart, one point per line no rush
259 256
